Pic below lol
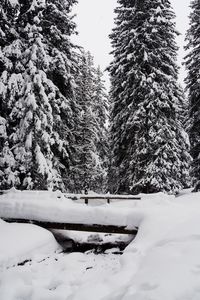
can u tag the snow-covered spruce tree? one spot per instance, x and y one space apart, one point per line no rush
8 13
193 86
101 111
86 125
88 170
8 175
45 108
149 148
11 83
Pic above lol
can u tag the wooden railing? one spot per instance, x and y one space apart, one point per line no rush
108 198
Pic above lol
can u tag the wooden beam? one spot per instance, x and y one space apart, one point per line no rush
111 197
78 227
86 198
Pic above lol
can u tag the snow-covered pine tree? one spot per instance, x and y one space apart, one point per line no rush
86 159
88 170
8 13
63 73
149 148
11 83
101 111
192 62
8 175
45 107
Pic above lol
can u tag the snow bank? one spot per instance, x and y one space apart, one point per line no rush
21 242
55 207
163 261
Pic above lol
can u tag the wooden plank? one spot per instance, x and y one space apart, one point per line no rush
78 227
74 198
110 198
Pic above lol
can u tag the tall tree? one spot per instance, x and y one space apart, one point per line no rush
101 112
149 148
43 111
11 83
89 168
8 174
193 87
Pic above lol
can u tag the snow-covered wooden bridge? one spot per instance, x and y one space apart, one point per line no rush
53 210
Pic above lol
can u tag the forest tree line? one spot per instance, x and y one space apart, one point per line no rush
59 129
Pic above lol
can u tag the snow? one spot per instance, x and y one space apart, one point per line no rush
21 242
41 161
54 207
3 128
60 277
162 262
94 238
13 2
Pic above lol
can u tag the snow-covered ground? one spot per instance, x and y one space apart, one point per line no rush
74 276
162 262
21 242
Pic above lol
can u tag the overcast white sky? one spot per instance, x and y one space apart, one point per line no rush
95 20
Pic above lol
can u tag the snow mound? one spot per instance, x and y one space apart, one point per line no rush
21 242
163 261
55 207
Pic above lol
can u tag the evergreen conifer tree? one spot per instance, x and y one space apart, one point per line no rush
8 175
193 87
101 111
11 83
89 168
149 148
42 108
85 165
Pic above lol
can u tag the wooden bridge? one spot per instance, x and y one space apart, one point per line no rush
79 226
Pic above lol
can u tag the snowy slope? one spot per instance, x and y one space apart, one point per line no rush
163 261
